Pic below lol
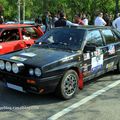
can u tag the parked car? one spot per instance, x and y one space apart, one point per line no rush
15 37
62 60
10 22
27 22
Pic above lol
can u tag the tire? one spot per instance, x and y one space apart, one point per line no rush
68 86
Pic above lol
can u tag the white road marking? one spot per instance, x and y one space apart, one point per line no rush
83 101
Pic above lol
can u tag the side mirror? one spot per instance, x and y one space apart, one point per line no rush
89 48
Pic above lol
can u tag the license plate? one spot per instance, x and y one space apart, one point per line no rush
15 87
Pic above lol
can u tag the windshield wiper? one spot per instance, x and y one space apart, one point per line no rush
61 44
58 44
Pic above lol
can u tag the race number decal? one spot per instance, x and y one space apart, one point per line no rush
111 49
86 56
97 61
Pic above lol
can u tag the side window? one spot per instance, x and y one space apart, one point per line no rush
117 35
10 35
109 36
29 33
3 36
94 38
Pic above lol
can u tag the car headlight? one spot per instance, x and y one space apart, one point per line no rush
8 66
37 72
31 71
15 68
2 65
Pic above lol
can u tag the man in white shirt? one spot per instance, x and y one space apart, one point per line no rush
116 22
99 21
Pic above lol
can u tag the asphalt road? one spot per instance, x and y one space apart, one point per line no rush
106 106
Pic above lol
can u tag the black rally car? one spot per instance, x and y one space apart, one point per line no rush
62 60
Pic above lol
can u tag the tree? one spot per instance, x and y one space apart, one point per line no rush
71 7
1 9
116 7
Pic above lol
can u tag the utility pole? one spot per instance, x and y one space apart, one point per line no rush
23 10
18 11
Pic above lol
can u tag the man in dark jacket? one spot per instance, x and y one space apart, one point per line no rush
63 22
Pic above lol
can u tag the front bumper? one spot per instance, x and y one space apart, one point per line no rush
43 85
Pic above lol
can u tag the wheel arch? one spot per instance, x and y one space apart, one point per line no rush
80 75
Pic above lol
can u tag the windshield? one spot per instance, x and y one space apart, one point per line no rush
63 38
29 33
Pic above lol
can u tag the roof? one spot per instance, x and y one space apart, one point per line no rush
14 25
87 27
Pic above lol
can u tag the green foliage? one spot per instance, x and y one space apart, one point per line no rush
71 7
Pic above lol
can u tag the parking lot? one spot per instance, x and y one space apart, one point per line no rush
103 106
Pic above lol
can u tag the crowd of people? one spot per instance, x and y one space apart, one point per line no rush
48 21
60 19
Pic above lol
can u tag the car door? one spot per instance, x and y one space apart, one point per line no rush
93 57
112 49
10 40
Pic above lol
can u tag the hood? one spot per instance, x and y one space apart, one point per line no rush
37 56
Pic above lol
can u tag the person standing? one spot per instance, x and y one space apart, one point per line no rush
116 22
38 20
55 18
85 20
99 21
107 19
1 19
78 20
61 22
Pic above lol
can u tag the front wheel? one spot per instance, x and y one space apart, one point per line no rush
68 86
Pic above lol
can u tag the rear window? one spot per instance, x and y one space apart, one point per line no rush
109 36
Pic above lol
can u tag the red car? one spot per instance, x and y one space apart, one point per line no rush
15 37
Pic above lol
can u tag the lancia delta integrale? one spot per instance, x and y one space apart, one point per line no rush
62 60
